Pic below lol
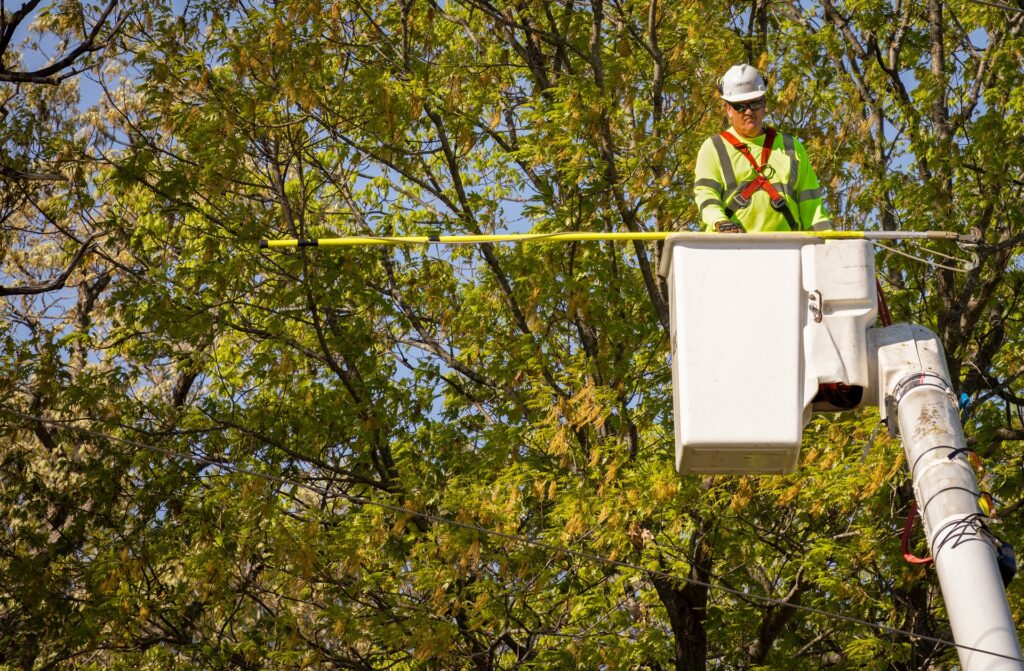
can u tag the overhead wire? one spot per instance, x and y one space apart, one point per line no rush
928 262
526 540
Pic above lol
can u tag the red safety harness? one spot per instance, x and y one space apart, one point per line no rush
742 199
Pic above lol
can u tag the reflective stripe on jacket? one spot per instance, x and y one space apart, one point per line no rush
722 172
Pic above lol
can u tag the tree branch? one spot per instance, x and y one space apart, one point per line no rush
57 282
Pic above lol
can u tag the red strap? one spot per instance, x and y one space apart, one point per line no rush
905 539
884 316
741 148
761 182
766 150
772 193
754 186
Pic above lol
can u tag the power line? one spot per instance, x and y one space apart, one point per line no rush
542 545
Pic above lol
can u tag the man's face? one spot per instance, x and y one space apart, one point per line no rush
749 121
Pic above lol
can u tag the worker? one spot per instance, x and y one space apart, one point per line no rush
751 178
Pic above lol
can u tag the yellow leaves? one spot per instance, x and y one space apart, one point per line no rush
286 363
538 489
788 495
481 601
398 528
243 62
559 444
510 496
302 12
416 107
278 34
623 48
110 582
880 474
350 565
465 138
578 301
677 54
637 535
666 487
545 490
866 127
817 507
430 644
838 434
471 556
575 525
586 409
788 94
744 492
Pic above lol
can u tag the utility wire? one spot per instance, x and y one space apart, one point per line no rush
526 540
933 264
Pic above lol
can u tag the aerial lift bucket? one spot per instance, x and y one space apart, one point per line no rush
759 323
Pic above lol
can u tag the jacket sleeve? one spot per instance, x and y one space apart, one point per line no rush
809 195
708 186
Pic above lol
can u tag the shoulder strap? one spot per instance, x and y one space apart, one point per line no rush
766 150
732 139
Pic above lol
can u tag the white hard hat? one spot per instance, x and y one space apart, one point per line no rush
742 83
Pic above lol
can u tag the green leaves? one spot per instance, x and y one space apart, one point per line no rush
273 398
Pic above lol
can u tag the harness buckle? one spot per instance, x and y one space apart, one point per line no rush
779 203
740 201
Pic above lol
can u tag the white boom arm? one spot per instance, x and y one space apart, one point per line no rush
913 384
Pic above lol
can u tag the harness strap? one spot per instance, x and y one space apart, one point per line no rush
742 199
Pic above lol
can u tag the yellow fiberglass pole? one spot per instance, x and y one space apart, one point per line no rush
573 236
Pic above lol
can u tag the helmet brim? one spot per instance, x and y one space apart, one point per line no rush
743 97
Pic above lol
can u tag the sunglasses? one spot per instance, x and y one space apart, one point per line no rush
754 105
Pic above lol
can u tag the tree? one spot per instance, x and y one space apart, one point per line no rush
293 455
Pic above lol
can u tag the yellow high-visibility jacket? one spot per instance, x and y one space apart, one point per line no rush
722 172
